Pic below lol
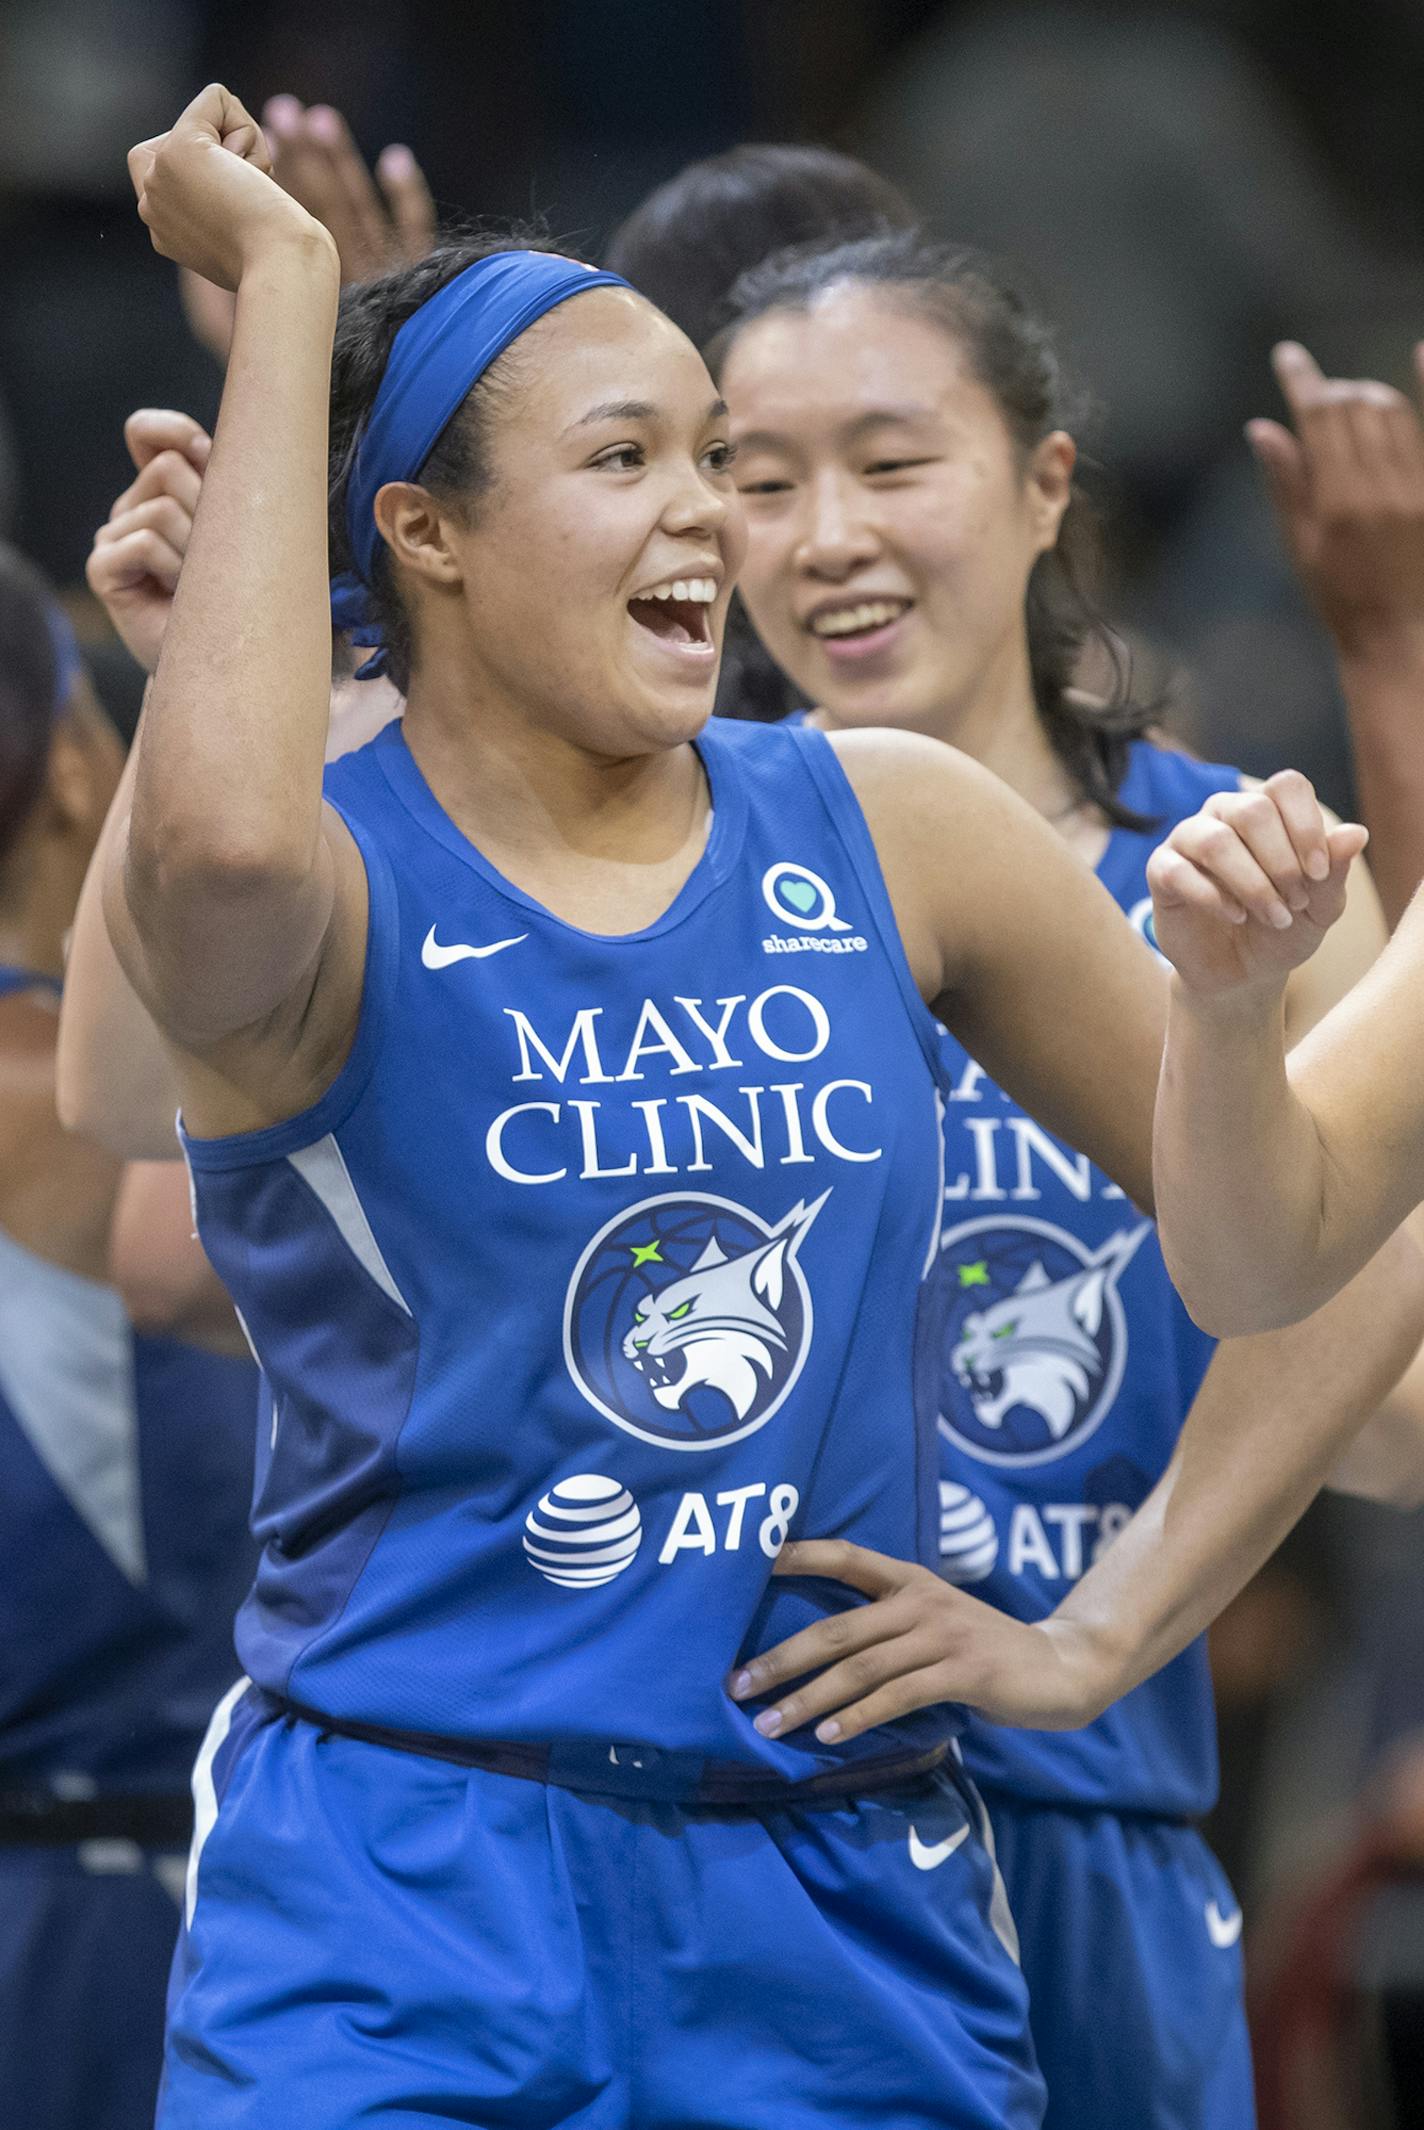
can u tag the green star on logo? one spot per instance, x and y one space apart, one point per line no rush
646 1253
975 1274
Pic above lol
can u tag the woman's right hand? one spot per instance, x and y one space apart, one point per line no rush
206 192
1244 891
137 555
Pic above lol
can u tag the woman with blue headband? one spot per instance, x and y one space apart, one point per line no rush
504 1050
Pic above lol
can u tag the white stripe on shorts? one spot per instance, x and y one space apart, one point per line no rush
205 1796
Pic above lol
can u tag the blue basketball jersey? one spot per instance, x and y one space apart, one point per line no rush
125 1478
599 1270
1068 1366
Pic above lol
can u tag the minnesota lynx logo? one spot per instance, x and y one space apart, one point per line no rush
1035 1337
688 1319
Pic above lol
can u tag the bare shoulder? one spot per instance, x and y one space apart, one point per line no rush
939 819
904 770
281 1062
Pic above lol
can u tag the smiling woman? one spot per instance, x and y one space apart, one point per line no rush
584 1263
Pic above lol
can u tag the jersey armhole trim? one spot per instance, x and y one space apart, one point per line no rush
331 1109
849 823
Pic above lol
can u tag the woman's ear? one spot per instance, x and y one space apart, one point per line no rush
417 531
1050 485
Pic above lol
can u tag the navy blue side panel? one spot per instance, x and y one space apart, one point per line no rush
327 1474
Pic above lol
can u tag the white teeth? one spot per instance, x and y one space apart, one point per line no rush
696 591
849 620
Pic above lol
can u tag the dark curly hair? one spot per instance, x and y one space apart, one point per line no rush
457 470
1012 353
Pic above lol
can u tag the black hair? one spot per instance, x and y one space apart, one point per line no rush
1012 353
689 241
687 245
29 677
457 469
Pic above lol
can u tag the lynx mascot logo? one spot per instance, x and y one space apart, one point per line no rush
688 1319
1035 1337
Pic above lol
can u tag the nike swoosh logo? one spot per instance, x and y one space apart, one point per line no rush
1222 1930
926 1855
437 957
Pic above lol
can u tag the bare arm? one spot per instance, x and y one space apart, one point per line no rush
235 903
158 1264
1276 1183
1347 484
1023 953
115 1079
1268 1422
115 1082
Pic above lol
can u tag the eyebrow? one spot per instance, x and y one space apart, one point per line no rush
636 410
877 418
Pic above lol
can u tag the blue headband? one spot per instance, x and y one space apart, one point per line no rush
436 358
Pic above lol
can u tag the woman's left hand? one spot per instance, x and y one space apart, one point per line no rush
917 1642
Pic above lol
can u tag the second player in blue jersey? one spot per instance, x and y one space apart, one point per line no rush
917 558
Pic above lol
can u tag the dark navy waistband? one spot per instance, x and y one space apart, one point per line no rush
35 1819
618 1769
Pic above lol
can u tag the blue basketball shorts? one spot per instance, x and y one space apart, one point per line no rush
1130 1938
86 1942
376 1937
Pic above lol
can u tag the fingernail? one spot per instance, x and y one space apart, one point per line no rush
322 121
1280 917
1299 900
769 1723
829 1731
741 1685
1317 865
397 162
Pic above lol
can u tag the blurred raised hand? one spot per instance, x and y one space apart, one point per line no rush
1346 481
137 556
376 221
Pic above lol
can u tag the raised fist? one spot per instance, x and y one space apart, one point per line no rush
1244 891
206 192
137 555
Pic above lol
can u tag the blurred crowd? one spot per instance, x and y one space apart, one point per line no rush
1183 185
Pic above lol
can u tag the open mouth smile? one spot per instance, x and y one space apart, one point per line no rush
679 614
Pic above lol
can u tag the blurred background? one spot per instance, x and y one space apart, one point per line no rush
1184 183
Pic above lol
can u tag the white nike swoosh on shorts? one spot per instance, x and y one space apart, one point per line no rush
1222 1930
925 1856
435 956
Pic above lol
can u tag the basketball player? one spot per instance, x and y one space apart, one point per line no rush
916 557
126 1476
508 1270
580 1243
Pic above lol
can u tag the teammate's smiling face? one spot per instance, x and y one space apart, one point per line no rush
595 571
892 521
